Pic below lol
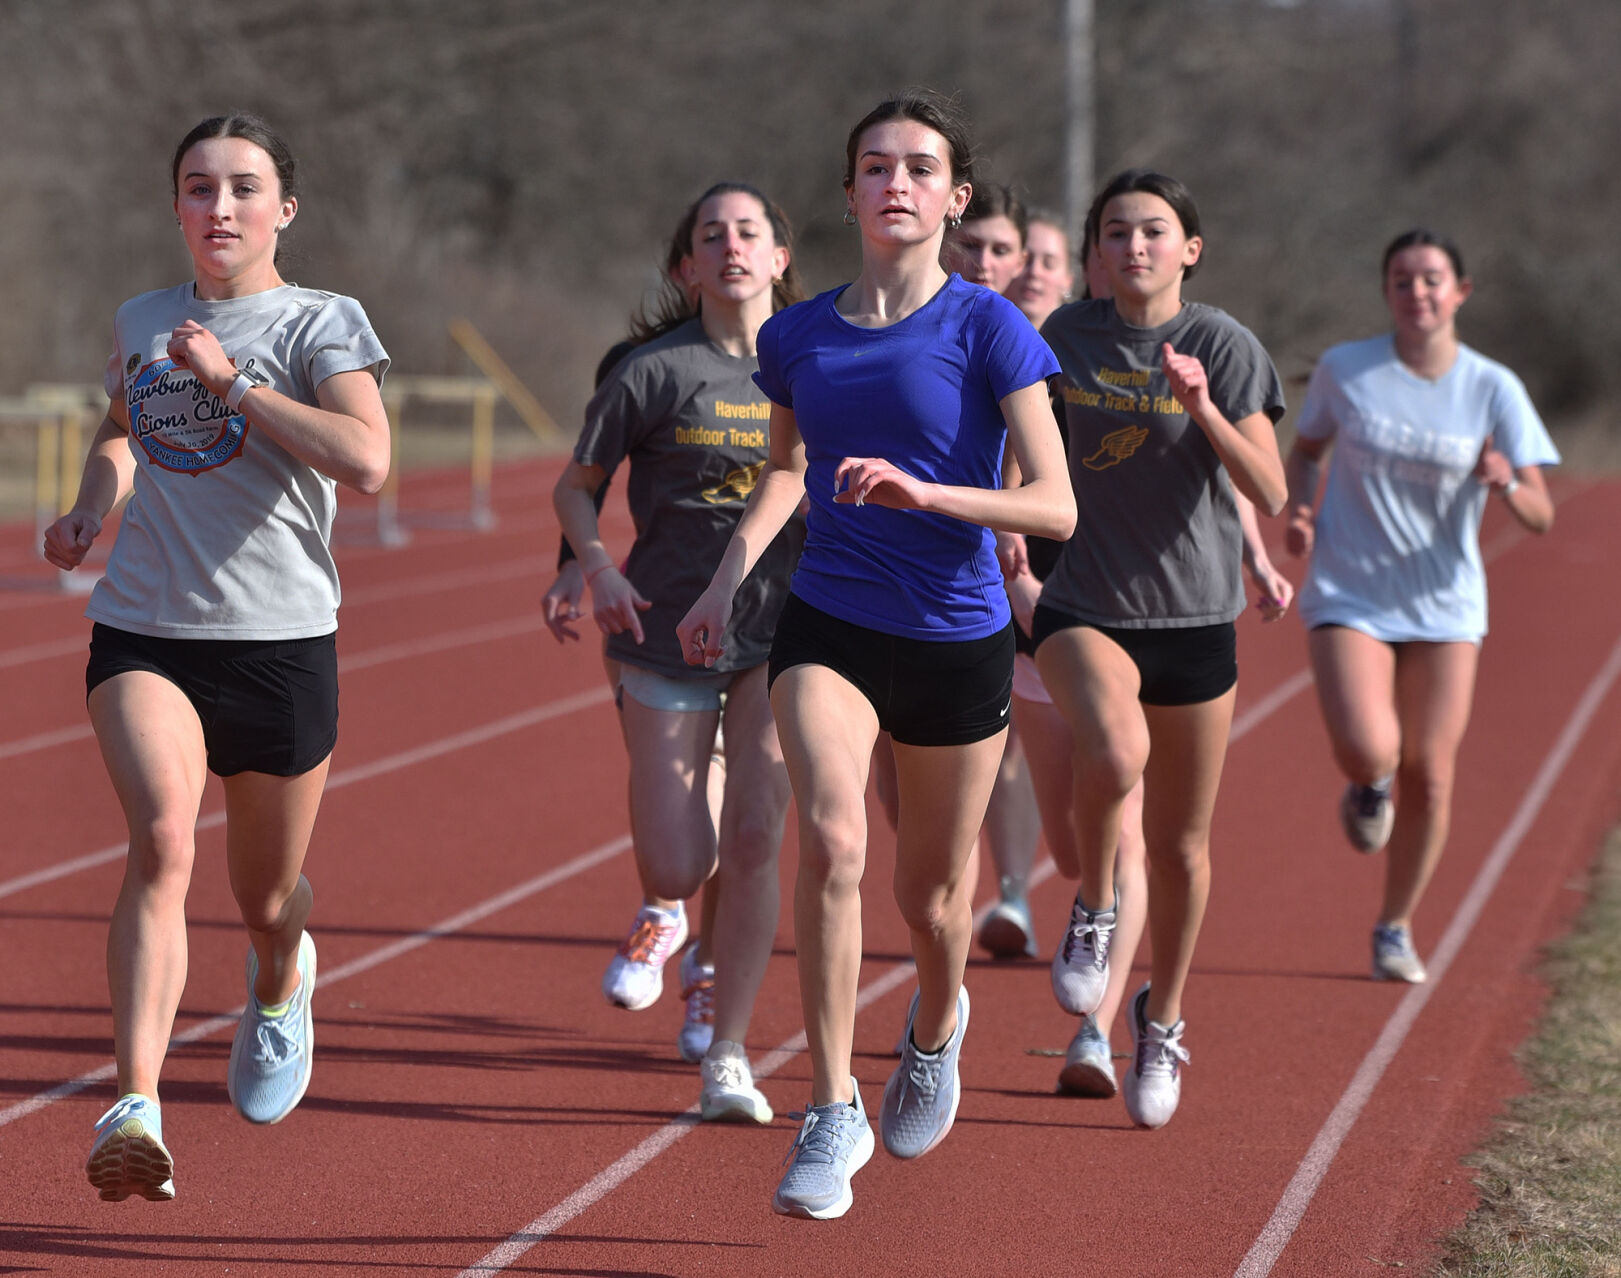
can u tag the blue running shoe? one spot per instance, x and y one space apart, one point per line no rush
833 1144
128 1155
920 1101
1089 1063
272 1056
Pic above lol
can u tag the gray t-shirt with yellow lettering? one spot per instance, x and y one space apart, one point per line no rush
694 426
1158 543
226 535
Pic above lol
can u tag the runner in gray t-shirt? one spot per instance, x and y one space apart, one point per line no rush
1170 405
684 411
243 402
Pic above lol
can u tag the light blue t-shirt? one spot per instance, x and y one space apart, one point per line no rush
1397 552
924 394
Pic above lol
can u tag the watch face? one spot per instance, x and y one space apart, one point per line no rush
253 374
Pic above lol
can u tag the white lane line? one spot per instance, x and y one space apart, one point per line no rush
348 776
1298 1194
455 923
43 651
631 1162
45 740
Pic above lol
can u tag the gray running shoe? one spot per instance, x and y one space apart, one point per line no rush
1007 931
272 1056
128 1155
1089 1063
1081 965
1366 814
834 1143
1394 958
1153 1083
698 992
920 1100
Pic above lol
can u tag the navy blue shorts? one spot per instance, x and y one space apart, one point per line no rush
265 705
942 692
1176 665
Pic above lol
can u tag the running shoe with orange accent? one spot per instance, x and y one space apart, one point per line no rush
635 976
698 991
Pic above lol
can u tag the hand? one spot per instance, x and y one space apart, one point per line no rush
69 539
701 629
1300 533
1023 593
615 603
876 480
1277 592
193 346
1013 554
1493 468
561 604
1188 381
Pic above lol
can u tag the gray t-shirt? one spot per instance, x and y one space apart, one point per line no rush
1158 543
696 430
226 535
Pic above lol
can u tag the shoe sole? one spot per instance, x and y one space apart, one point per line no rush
1081 1078
1003 937
1417 978
309 1036
131 1161
859 1157
734 1108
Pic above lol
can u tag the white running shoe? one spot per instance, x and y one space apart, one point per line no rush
1089 1063
698 992
1007 931
635 975
1153 1083
729 1094
834 1143
1394 958
1367 813
1080 971
272 1056
128 1155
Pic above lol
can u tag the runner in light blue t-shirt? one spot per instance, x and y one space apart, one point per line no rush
1395 597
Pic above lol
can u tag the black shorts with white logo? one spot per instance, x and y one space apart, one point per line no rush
1176 665
265 705
927 692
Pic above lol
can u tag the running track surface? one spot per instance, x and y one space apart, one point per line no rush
476 1108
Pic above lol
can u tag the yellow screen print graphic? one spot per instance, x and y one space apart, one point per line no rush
1116 446
737 485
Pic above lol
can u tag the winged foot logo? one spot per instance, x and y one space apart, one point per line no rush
180 424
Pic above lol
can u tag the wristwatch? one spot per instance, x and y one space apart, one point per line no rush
1512 487
247 378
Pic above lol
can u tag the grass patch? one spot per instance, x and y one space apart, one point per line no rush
1550 1180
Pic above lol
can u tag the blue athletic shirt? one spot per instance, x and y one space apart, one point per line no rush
924 394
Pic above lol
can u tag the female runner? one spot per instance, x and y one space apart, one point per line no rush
684 410
892 399
244 402
1395 596
1171 406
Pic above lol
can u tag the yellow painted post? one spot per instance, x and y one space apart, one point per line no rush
72 435
47 459
390 532
482 513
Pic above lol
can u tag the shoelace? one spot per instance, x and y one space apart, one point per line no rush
1392 941
1157 1055
278 1042
923 1078
649 942
1369 801
700 996
729 1072
822 1139
1079 932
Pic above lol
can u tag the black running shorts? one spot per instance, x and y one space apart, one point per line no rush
926 692
1177 666
265 706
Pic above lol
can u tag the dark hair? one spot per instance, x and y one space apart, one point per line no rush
1422 236
1151 183
240 124
674 306
995 200
930 109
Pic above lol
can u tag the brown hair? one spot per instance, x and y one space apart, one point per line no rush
1151 183
925 107
240 124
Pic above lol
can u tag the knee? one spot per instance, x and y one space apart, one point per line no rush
833 852
265 911
1187 859
927 908
1110 768
161 851
1366 761
1426 781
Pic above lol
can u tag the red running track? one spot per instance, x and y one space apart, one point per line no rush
476 1108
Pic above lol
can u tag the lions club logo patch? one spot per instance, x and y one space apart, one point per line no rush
181 424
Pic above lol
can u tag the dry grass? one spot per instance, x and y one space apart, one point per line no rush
1550 1181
